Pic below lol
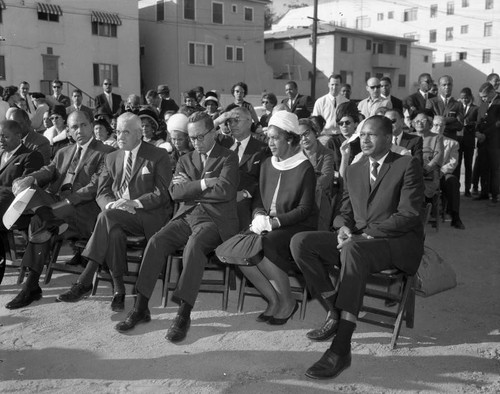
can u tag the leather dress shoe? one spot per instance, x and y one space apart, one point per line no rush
274 321
76 293
467 194
326 331
457 223
481 197
263 318
329 366
48 229
179 328
118 302
133 318
77 259
24 298
2 270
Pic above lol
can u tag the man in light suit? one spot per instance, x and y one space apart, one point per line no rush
296 103
411 142
378 228
64 199
251 152
109 102
134 201
77 99
31 139
205 184
15 161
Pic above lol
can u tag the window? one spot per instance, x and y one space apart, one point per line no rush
368 75
160 10
426 58
278 45
434 10
432 35
201 54
401 81
464 29
413 35
410 14
248 14
449 34
488 5
343 44
390 15
462 56
403 50
362 22
48 12
1 15
2 68
380 16
103 71
447 60
486 55
234 54
218 13
450 8
488 28
465 3
104 29
368 45
189 9
234 8
347 76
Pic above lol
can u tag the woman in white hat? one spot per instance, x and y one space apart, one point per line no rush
285 206
179 142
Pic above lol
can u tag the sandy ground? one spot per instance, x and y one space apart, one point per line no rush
454 347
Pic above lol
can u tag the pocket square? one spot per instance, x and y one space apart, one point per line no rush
145 171
17 164
256 162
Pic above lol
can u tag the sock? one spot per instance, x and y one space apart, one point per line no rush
118 284
141 302
341 344
32 281
185 309
88 273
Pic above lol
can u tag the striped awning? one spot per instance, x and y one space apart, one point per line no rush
106 17
2 5
49 9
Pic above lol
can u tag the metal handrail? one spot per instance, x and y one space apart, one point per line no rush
68 87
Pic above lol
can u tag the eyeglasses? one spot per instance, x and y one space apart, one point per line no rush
374 87
345 122
437 124
55 117
200 137
265 102
56 87
107 84
421 121
231 121
393 120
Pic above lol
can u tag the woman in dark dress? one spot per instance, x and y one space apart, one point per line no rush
284 206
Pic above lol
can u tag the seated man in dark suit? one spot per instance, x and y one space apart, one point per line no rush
385 91
133 196
251 152
15 161
69 184
378 228
412 142
300 105
205 184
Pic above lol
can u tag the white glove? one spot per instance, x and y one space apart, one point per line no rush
261 223
21 184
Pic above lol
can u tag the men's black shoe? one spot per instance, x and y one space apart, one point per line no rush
475 192
133 318
47 230
494 201
481 197
329 366
24 298
76 293
326 331
2 270
118 302
457 223
179 328
467 193
75 260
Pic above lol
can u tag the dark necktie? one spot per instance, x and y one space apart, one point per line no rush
75 160
373 173
237 149
127 176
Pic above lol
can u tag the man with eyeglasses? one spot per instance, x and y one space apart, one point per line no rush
251 152
109 102
133 196
416 102
411 142
327 105
369 106
63 202
204 184
57 94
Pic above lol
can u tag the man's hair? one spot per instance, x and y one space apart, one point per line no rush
491 76
384 123
202 117
486 88
445 76
152 93
78 91
467 91
243 85
199 89
56 81
127 117
242 110
386 79
11 125
396 110
271 97
84 113
335 76
293 83
345 85
24 115
424 75
24 83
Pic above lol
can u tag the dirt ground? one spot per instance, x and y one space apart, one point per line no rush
453 348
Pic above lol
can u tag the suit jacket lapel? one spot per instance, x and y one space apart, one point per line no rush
139 160
120 157
382 172
248 152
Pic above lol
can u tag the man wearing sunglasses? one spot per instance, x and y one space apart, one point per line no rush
204 184
369 106
109 102
57 93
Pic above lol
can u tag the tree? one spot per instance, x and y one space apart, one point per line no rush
269 16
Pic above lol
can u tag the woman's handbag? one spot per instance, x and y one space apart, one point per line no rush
242 249
434 274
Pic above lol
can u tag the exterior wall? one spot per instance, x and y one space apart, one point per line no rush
167 52
27 39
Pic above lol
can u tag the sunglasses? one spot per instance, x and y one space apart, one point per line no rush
393 120
56 87
374 87
107 84
345 122
265 102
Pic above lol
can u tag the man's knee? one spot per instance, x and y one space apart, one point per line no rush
299 244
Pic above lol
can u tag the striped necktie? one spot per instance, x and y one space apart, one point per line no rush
126 177
374 173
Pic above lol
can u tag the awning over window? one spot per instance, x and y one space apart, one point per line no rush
106 17
2 5
49 9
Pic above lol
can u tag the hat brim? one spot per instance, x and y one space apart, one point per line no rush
17 208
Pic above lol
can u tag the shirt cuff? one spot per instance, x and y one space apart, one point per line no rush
139 204
108 205
203 185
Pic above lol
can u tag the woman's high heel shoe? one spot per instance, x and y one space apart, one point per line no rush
263 318
279 322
